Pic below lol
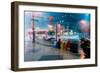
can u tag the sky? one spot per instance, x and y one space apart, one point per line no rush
41 19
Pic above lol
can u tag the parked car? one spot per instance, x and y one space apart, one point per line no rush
50 36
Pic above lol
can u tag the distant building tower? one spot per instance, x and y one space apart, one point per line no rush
50 26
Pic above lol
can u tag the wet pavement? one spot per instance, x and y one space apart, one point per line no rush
41 51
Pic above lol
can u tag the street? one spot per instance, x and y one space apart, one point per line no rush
41 51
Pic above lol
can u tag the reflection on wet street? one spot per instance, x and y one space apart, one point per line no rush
41 50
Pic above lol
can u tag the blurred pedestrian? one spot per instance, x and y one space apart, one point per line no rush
59 44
